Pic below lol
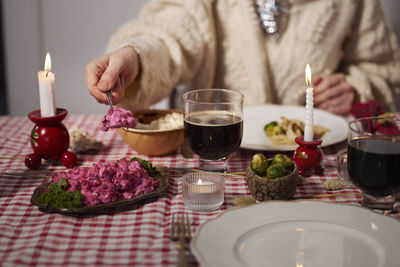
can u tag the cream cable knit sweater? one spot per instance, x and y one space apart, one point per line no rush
220 44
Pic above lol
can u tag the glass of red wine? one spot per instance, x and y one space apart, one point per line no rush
373 160
213 120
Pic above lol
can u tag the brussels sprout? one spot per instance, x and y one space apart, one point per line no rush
277 130
276 170
259 164
273 128
279 158
284 160
270 125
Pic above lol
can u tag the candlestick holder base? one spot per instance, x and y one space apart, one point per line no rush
308 156
49 137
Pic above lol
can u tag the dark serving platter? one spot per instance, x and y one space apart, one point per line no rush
161 177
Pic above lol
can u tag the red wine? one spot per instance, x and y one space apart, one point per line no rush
373 165
213 134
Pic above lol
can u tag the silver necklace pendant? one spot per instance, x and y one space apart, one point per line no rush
273 15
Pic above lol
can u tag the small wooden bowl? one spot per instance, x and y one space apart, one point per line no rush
152 142
281 188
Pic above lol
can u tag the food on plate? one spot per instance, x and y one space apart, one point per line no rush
117 118
272 178
285 131
273 128
106 181
170 121
82 141
59 196
147 165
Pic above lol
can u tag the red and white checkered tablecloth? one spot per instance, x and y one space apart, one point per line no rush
135 237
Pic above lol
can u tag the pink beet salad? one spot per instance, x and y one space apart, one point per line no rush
109 181
117 118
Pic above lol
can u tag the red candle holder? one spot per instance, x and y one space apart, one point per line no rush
308 156
49 137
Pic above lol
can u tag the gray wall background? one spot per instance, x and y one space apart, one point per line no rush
74 32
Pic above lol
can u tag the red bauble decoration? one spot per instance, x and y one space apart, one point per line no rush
308 156
68 159
49 137
33 161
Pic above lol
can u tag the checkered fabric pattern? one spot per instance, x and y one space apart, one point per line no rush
132 237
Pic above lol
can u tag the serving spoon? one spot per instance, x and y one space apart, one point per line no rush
108 93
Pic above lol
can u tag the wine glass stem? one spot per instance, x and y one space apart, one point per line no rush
219 165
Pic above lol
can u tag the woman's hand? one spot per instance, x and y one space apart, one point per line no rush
333 94
115 71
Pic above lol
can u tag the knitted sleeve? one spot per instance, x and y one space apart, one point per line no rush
172 38
372 57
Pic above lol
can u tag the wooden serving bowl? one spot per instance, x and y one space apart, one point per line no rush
152 142
281 188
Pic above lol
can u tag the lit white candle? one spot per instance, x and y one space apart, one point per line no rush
205 193
203 187
46 90
308 128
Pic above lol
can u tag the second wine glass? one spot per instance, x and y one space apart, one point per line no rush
373 157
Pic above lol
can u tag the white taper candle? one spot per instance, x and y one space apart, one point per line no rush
308 128
46 90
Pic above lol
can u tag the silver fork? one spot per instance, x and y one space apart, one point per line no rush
180 231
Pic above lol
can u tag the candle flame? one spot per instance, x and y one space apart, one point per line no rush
308 75
47 63
199 181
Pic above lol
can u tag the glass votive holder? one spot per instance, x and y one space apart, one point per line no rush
203 191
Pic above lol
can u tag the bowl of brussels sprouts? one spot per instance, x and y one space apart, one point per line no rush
274 178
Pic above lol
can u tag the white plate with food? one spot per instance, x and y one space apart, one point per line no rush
256 117
298 233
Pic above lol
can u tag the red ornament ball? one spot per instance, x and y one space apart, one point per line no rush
68 159
33 161
49 141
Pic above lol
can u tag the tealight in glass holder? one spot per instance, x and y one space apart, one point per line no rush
203 191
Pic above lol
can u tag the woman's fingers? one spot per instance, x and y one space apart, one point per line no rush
316 80
331 93
331 81
109 79
340 105
334 94
324 90
114 72
94 70
118 92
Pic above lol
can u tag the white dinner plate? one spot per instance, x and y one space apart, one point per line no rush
256 117
303 233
